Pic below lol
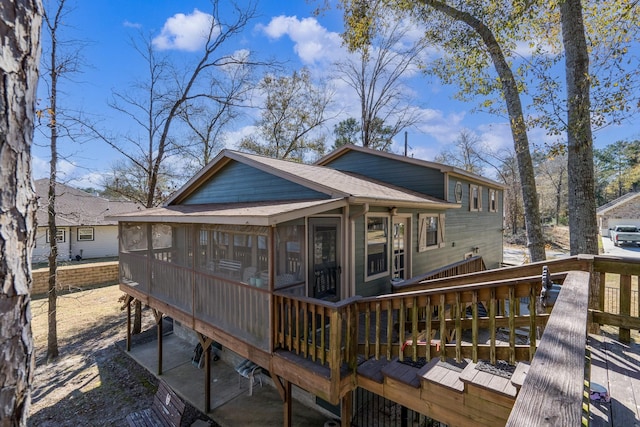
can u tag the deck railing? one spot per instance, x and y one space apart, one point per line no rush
491 321
320 331
618 303
553 388
469 265
238 309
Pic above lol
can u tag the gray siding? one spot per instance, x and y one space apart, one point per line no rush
237 182
464 230
417 178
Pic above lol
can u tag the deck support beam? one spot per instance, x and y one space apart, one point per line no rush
206 343
287 416
346 409
128 303
158 317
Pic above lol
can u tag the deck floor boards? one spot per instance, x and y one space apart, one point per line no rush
616 367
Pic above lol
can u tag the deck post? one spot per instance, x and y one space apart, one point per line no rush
594 291
159 329
346 409
287 404
207 379
128 323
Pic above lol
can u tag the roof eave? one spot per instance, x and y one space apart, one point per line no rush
373 201
260 220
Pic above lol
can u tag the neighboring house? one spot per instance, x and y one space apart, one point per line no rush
247 232
82 230
624 210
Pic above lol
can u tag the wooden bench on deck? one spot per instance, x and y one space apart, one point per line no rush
166 410
230 267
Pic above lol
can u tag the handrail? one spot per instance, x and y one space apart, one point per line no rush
579 262
466 266
552 391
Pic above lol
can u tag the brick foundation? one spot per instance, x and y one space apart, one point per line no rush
76 276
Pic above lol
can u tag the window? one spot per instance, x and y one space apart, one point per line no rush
493 200
431 229
475 198
458 192
61 235
377 245
85 234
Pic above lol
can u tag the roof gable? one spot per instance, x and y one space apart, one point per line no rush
310 180
622 200
238 182
333 159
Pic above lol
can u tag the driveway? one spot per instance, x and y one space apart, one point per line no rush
628 251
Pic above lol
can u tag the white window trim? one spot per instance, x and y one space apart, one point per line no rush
387 272
479 190
457 192
422 231
493 192
85 229
61 235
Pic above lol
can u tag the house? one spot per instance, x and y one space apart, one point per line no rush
624 210
248 233
82 229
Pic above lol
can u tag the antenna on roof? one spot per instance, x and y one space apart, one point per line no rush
405 143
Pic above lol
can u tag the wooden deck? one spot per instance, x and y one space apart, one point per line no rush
331 349
616 367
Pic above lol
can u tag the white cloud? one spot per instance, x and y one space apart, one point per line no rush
130 24
233 138
184 32
443 128
312 42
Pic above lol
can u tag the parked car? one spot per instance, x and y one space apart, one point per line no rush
624 234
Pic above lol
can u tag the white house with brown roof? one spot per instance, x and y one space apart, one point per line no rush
82 230
624 210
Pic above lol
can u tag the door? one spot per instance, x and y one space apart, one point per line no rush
324 258
400 261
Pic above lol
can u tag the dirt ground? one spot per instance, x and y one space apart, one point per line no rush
93 382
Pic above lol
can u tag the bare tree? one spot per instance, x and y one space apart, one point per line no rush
60 61
294 109
552 172
465 153
210 116
20 22
375 72
154 104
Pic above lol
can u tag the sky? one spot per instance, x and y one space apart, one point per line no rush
285 30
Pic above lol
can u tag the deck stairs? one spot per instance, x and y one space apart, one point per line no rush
457 394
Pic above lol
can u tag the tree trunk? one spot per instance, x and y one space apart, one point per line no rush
52 332
20 22
583 225
518 127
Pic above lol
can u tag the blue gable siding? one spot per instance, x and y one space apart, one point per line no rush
413 177
237 182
